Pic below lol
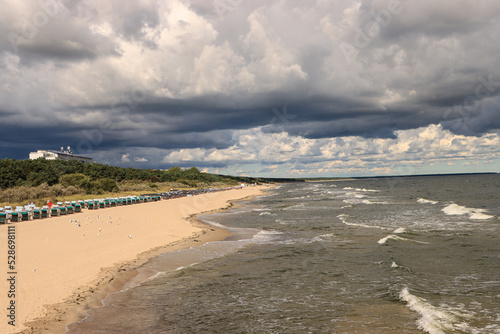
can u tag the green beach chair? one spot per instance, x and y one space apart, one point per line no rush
14 217
3 218
62 211
54 212
78 208
44 213
36 214
69 209
25 216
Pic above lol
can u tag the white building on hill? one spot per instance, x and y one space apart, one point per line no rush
59 155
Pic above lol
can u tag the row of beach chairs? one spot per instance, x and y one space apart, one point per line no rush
31 212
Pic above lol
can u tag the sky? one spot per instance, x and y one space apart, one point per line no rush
277 88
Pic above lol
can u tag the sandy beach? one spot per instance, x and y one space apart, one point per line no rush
65 265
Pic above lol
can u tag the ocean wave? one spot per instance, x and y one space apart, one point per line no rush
399 230
433 320
426 201
300 206
398 238
361 189
476 214
342 219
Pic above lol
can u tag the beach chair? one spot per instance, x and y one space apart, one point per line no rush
107 204
3 218
78 208
36 213
25 216
62 211
101 205
14 216
44 213
112 203
90 205
69 209
54 212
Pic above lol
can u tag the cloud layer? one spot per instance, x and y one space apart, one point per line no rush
314 87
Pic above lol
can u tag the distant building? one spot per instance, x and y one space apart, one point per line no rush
59 155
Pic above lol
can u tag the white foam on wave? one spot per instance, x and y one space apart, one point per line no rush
394 265
433 320
476 214
300 206
367 201
342 219
263 236
398 238
264 213
399 230
426 201
209 222
361 189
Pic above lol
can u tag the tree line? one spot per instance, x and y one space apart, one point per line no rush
36 172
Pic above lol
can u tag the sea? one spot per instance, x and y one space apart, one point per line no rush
375 255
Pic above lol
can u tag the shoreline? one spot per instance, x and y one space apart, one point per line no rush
54 317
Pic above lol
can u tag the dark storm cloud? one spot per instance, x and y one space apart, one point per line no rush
222 66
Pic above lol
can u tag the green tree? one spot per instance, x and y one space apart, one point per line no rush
75 180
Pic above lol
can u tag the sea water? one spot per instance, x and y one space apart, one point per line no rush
385 255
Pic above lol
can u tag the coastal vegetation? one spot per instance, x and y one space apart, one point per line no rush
41 180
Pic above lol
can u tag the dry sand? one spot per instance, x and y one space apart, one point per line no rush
65 265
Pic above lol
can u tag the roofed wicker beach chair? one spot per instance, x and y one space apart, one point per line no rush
25 216
44 212
15 216
36 213
62 211
3 218
54 211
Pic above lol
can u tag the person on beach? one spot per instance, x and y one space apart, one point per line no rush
49 203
